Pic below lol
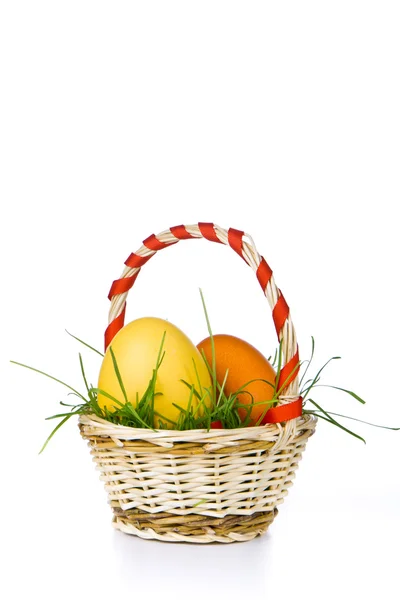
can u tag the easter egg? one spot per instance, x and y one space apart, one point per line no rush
136 348
245 364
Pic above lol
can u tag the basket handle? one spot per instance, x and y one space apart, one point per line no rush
243 245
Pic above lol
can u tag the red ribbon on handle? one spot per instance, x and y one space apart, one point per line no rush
285 412
278 414
233 238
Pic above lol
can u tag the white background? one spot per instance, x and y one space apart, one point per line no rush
120 119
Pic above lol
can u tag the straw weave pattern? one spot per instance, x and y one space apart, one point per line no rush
196 486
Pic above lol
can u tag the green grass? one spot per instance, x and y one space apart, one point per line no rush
205 406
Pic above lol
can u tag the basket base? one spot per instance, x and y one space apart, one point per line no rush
196 529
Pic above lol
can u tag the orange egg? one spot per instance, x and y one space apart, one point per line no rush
245 363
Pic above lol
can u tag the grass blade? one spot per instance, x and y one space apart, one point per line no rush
101 392
118 374
327 417
85 344
303 392
54 431
60 415
191 387
14 362
360 421
213 359
221 390
353 394
309 361
83 373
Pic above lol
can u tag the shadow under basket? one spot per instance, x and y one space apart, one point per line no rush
196 486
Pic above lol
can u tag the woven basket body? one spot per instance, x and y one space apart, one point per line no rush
196 486
200 486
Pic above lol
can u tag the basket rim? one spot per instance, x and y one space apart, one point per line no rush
94 425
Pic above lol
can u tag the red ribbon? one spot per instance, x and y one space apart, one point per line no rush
285 412
113 328
278 414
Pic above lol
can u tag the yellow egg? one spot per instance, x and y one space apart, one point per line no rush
136 348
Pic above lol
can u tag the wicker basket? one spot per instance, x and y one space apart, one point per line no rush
222 485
